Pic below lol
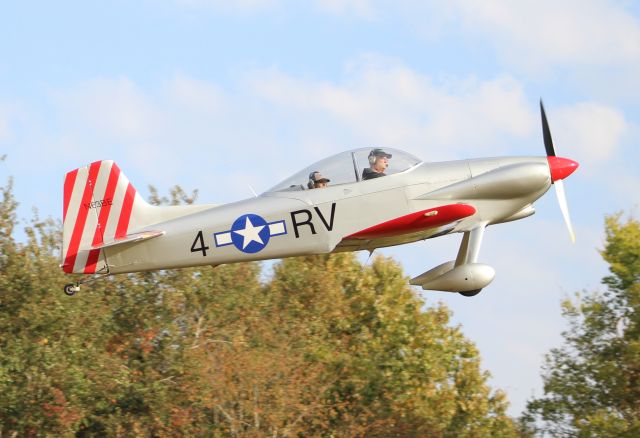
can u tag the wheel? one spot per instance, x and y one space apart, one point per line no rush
470 293
71 289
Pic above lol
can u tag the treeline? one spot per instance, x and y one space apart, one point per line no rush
324 347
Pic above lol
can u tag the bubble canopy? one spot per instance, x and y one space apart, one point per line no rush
347 167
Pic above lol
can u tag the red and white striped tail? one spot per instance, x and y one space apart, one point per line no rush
100 205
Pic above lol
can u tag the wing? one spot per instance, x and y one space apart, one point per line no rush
419 225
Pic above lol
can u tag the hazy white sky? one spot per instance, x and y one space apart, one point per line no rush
218 95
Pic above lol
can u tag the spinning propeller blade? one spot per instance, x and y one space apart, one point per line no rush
560 168
562 200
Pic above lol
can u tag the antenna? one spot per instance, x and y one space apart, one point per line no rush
366 263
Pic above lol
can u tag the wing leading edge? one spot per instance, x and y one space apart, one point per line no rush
419 222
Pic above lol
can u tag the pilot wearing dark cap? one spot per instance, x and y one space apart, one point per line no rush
317 181
378 163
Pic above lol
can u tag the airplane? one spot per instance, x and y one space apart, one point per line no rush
368 199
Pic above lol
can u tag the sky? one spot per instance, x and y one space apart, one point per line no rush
222 96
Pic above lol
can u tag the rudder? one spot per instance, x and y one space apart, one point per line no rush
100 205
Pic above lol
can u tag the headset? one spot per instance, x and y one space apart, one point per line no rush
373 157
312 183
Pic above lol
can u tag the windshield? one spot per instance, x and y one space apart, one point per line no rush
349 167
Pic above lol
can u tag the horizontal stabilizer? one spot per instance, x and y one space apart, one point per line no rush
129 238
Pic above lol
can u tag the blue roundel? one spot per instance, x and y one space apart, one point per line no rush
250 233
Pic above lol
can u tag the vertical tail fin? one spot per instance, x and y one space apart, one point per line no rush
100 204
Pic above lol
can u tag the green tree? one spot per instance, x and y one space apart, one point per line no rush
394 368
43 359
592 382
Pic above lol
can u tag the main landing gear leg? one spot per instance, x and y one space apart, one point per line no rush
469 250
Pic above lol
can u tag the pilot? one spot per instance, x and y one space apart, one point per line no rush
317 181
378 162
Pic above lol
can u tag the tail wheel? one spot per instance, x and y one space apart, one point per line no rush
71 289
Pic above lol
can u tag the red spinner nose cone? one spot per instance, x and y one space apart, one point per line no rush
561 167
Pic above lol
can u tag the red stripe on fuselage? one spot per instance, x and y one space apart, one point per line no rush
105 209
125 214
78 227
69 182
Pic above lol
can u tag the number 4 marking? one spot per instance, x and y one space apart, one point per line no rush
199 240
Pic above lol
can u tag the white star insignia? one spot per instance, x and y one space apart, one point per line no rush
250 233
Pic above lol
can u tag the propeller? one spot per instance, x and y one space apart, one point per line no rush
560 168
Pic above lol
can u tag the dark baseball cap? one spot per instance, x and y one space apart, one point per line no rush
379 152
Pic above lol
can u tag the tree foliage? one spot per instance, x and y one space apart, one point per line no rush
324 347
592 382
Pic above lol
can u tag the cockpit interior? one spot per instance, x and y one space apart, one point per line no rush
349 167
